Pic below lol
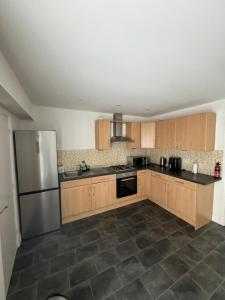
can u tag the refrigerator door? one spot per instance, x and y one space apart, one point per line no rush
39 213
36 160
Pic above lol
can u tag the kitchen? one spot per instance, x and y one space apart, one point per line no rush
107 199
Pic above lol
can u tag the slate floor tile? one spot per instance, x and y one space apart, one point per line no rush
165 247
106 259
190 255
174 266
107 242
26 293
63 261
46 252
179 238
181 222
144 240
82 272
219 294
55 284
90 236
69 244
156 281
133 291
221 249
148 257
170 226
187 289
124 234
81 292
86 251
215 237
203 245
205 277
217 262
137 218
104 284
23 261
31 275
129 269
158 233
167 296
139 228
13 283
126 249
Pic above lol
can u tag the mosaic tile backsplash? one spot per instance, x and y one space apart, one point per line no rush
206 160
71 159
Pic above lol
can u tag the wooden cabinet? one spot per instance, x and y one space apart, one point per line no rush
141 183
182 199
166 134
76 200
159 189
196 132
85 195
190 201
102 134
148 135
148 183
133 131
103 194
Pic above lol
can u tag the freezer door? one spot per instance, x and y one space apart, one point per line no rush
39 213
36 160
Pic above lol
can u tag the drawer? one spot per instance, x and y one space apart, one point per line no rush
185 183
142 172
158 175
75 183
103 178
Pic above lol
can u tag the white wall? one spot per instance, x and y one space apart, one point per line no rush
12 86
219 108
75 129
13 124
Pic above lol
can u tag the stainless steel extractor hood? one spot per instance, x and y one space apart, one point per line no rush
118 129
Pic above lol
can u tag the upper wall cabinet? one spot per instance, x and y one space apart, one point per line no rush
166 134
148 135
196 132
133 131
102 134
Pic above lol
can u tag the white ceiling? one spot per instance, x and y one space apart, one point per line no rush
149 56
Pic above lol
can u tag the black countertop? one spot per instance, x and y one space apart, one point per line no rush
185 175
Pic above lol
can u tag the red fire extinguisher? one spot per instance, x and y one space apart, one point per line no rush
217 170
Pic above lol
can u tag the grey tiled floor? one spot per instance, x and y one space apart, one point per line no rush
138 252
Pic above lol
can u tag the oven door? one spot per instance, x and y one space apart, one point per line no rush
126 186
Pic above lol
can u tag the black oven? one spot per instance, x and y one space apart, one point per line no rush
126 184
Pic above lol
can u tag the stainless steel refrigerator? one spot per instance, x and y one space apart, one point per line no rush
37 182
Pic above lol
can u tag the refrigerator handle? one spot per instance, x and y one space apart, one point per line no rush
37 147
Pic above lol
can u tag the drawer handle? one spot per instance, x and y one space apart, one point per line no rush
128 179
2 211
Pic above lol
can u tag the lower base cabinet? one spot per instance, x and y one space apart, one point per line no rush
76 200
189 201
159 189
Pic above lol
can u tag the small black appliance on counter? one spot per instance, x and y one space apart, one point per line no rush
137 161
175 163
163 162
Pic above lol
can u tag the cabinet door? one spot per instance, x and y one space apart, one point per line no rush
159 189
103 194
166 134
196 132
76 200
182 200
141 183
148 135
148 184
133 130
102 134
